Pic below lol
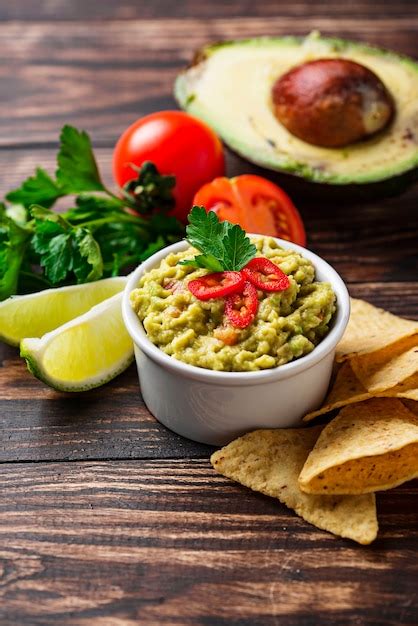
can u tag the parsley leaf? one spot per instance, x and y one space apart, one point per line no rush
37 189
87 258
13 243
64 250
125 244
206 261
93 207
224 246
238 249
205 232
52 242
47 226
57 258
77 168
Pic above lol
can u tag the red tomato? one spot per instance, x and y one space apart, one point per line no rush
176 143
256 204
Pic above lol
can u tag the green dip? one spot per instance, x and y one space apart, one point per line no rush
288 324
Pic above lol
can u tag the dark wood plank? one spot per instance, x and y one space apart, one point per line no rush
80 10
37 423
373 241
121 542
103 75
398 298
111 423
173 543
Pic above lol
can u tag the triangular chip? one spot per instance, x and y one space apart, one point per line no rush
412 394
347 389
369 446
371 329
407 389
379 372
269 461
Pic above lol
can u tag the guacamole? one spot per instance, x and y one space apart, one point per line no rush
288 324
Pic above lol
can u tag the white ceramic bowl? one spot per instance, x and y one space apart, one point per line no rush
215 407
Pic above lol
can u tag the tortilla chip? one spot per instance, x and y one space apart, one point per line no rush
369 446
347 389
269 461
407 389
385 369
412 394
371 329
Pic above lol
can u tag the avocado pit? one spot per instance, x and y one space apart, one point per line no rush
332 102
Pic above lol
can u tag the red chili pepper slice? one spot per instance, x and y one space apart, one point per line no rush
241 308
217 285
265 275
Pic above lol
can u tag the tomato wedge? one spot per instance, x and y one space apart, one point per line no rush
217 285
241 308
256 204
265 275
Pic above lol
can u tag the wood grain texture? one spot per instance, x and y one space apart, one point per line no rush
106 517
59 10
38 423
171 542
103 75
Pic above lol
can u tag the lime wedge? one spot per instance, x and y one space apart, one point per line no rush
38 313
84 353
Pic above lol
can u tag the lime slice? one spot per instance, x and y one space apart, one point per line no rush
84 353
38 313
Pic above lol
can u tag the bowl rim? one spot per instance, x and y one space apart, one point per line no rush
281 372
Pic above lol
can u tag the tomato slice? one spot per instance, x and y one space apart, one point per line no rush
241 308
217 285
265 275
256 204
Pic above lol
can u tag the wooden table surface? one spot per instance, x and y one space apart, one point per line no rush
106 517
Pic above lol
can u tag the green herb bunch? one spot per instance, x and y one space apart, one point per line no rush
102 235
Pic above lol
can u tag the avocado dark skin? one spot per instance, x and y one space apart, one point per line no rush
300 189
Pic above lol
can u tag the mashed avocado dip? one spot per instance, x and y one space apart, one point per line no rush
288 324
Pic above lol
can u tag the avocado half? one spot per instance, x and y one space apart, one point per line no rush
229 85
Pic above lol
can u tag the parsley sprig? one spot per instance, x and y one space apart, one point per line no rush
102 235
224 246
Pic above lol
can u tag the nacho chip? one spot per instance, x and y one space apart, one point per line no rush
269 461
371 329
412 394
369 446
407 389
385 369
347 389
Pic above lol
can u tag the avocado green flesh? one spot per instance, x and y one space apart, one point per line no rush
229 87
